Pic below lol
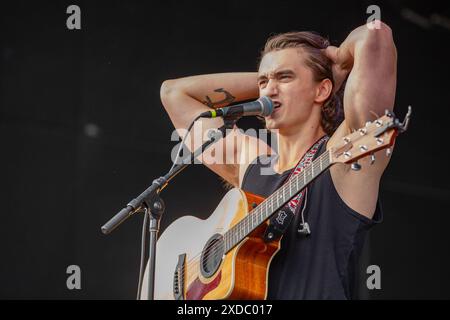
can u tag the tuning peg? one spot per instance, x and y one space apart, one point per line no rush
379 141
368 123
389 113
356 166
404 125
372 158
388 152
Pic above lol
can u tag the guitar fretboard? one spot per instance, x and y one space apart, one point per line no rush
275 201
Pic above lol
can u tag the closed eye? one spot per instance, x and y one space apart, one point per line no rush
262 82
285 77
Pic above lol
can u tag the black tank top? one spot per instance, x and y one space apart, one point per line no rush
323 264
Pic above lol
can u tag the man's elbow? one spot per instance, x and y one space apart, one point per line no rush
170 91
167 87
378 35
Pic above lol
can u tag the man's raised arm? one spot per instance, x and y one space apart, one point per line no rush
185 98
369 54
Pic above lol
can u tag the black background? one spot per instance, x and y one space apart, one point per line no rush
82 131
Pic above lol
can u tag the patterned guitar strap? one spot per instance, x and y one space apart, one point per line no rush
279 222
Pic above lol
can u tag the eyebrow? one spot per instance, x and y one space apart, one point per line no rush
277 74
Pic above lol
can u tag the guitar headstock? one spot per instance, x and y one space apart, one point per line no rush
377 135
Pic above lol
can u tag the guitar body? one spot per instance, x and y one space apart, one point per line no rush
241 273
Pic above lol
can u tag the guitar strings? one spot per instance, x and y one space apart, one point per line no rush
216 249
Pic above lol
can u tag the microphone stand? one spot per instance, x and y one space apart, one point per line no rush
151 203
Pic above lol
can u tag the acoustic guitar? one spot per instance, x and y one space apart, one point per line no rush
225 256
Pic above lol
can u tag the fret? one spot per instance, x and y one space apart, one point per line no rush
239 232
247 226
253 219
225 241
273 205
261 213
290 190
238 238
326 159
266 214
308 173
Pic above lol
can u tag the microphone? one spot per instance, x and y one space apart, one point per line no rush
261 107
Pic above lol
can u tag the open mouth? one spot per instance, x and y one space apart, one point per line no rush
276 105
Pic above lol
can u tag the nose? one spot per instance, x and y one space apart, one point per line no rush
271 89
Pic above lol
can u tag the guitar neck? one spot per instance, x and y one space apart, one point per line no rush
276 201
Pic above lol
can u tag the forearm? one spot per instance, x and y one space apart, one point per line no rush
215 90
369 57
185 98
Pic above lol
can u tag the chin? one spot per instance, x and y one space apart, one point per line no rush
272 124
274 121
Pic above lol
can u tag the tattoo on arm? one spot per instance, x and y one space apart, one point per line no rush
229 98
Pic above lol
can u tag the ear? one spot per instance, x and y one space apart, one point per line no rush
323 90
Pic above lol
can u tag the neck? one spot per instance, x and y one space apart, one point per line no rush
293 144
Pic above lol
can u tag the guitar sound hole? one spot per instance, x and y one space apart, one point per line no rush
212 256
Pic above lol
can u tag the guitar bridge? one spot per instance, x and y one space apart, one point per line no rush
178 278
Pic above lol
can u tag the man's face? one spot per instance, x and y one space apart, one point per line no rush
284 77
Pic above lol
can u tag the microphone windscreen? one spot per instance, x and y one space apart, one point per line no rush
267 106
